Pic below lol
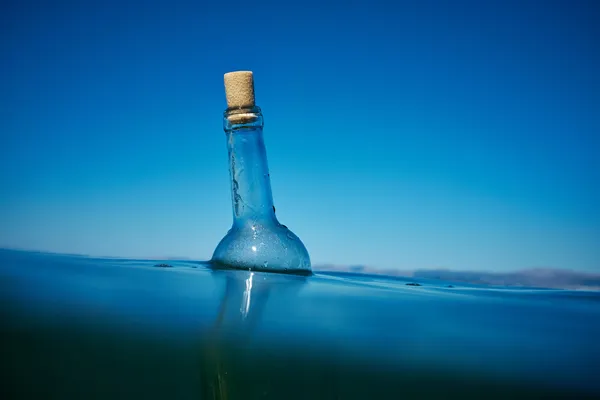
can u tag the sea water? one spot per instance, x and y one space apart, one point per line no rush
76 327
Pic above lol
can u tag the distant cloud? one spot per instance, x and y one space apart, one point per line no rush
536 277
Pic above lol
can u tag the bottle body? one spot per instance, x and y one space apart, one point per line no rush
256 241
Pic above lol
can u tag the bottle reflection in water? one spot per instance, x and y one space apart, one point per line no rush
235 342
256 241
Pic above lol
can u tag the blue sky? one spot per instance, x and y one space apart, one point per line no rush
406 135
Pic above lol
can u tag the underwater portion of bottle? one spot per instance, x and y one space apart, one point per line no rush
256 241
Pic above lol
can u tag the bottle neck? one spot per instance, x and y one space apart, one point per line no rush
251 194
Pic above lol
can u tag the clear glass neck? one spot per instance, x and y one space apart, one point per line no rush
251 194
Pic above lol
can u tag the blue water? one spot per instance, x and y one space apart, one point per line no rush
75 327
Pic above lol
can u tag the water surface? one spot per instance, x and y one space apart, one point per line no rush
76 327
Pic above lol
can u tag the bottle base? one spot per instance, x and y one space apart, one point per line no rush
269 247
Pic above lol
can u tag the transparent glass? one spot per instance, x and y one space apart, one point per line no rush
256 241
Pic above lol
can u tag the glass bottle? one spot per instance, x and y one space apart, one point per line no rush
256 241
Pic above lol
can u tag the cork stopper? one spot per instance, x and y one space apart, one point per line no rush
239 89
